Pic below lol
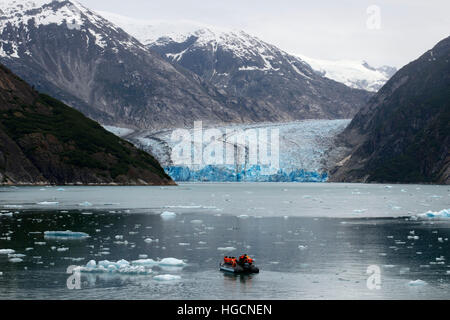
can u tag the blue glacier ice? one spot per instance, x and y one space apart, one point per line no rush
254 173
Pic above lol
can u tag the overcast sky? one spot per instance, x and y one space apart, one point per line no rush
319 29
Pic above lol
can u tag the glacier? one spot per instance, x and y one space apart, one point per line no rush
255 173
303 151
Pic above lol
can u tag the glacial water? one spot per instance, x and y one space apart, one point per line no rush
310 241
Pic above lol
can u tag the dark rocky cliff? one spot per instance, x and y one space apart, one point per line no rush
44 141
403 133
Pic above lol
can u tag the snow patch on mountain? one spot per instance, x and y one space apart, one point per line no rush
26 14
157 33
353 73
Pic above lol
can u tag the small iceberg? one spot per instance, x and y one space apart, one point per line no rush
168 215
48 203
15 260
417 283
166 277
7 251
150 240
444 213
226 248
105 266
65 235
168 262
85 204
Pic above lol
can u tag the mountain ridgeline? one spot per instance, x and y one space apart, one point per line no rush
43 141
77 56
403 133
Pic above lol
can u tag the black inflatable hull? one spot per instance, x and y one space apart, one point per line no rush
238 268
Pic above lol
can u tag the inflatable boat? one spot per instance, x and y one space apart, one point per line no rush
243 265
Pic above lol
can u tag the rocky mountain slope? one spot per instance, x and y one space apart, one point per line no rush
66 50
243 66
43 141
403 134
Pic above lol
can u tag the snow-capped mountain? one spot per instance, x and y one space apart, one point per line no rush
72 53
246 67
353 73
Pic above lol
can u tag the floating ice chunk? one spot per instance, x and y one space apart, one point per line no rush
85 204
168 215
11 206
417 283
48 203
143 256
60 189
7 251
359 210
1 273
170 262
63 249
6 214
184 244
144 262
301 247
150 240
65 235
15 260
105 266
226 248
118 237
444 213
16 255
166 277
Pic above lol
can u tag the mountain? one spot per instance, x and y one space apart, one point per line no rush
68 51
403 134
243 66
43 141
353 73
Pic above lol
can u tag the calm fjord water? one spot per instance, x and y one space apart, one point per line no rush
310 241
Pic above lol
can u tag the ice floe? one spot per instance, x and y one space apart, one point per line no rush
105 266
167 277
226 248
169 262
7 251
416 283
48 203
65 235
444 213
168 215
